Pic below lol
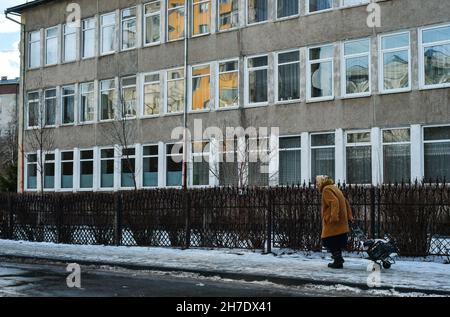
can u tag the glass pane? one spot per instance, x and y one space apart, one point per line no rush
436 133
152 29
395 41
108 39
228 14
287 8
257 174
107 153
437 65
107 174
396 70
176 24
175 98
436 35
322 139
258 62
289 57
357 75
201 88
67 175
290 167
437 158
200 173
322 162
86 173
397 163
358 137
70 47
151 150
129 34
396 135
318 5
52 51
67 156
359 165
290 142
88 43
228 66
128 173
321 80
289 82
257 11
174 170
321 52
357 47
258 86
152 99
228 90
201 17
86 155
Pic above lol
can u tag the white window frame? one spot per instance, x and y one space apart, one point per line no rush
308 11
314 147
381 53
27 164
309 62
151 15
280 149
161 89
64 35
45 107
166 156
247 80
81 160
122 22
218 17
166 90
47 38
131 157
100 159
191 79
422 48
61 162
122 88
361 3
81 93
83 37
191 168
200 2
101 33
74 104
217 88
344 58
143 157
54 161
168 10
247 23
289 16
392 143
28 109
423 142
277 64
100 99
30 43
357 144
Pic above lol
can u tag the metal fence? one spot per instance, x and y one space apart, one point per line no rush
416 217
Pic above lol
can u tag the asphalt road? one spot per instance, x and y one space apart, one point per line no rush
49 280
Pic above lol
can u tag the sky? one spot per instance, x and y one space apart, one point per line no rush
9 42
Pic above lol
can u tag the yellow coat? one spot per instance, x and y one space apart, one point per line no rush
336 212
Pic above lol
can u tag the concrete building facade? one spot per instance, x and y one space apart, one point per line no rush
366 104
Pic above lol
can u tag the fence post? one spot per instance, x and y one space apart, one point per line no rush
10 231
187 212
269 221
372 212
58 210
118 219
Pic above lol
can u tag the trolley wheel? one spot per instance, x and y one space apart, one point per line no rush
386 265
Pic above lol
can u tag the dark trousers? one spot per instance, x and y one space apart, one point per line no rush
336 244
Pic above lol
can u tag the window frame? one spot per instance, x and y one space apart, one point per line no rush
63 46
30 43
309 63
47 38
74 95
166 91
54 162
100 112
114 39
143 157
81 93
217 88
247 23
27 164
247 103
142 91
362 3
61 162
343 74
357 144
203 154
38 119
122 29
130 157
423 142
422 47
45 107
313 147
381 53
100 160
382 180
191 79
81 160
309 12
136 105
151 15
200 2
277 76
218 18
168 10
289 150
292 16
83 37
166 156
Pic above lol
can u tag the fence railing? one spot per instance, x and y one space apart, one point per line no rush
416 217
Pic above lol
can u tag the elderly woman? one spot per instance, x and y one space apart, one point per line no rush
336 215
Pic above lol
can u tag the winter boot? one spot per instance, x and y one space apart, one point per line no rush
338 260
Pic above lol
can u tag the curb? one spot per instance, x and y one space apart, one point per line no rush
287 281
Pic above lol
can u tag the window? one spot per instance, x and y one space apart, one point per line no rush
128 168
86 169
175 23
152 94
70 43
174 164
32 167
319 5
129 97
257 68
287 8
51 46
50 107
201 17
49 171
88 38
228 84
290 159
128 28
257 158
107 35
201 87
396 155
87 107
68 104
435 57
395 63
350 3
320 77
34 57
359 158
437 153
356 64
288 76
257 11
152 27
200 163
107 99
175 90
67 169
150 166
34 105
322 155
228 163
228 14
107 168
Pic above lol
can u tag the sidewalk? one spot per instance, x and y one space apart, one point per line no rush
294 269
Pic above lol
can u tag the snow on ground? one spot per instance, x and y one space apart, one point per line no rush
408 274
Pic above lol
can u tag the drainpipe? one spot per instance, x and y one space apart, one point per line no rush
23 62
186 86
